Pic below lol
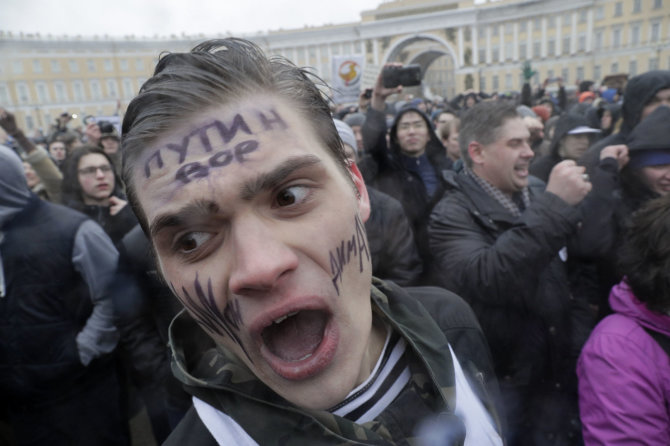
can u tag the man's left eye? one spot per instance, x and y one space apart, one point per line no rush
291 195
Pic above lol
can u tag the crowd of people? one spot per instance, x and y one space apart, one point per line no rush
493 269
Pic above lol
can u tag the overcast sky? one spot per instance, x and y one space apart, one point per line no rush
165 17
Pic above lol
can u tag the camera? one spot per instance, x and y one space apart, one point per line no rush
408 76
367 94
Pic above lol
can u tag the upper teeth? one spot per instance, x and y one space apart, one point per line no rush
279 320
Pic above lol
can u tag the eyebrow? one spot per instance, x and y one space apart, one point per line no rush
269 180
179 218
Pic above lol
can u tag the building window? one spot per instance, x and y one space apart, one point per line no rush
73 66
95 90
123 64
139 64
618 9
495 85
582 16
128 90
580 73
4 95
482 84
508 28
358 46
29 123
615 68
635 34
482 55
495 30
112 91
55 66
552 22
495 54
653 63
637 6
90 63
508 81
616 38
523 50
598 40
581 43
600 13
632 68
537 24
658 4
42 93
551 47
481 32
78 90
597 73
37 66
523 26
536 50
17 66
22 93
108 64
550 74
566 45
61 93
509 50
655 32
565 74
567 19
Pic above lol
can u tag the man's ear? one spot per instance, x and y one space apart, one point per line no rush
476 152
362 192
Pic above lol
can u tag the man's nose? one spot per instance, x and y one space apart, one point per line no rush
99 173
261 258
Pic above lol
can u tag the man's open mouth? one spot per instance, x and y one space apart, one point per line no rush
299 344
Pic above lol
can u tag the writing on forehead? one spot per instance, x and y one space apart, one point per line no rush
206 138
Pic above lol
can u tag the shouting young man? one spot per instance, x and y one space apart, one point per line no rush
238 176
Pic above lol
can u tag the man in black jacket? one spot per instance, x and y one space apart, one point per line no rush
408 168
58 382
498 238
257 222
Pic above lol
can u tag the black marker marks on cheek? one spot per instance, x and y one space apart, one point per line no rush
347 250
207 314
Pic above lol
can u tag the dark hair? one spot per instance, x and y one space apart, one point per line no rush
481 123
645 255
72 193
212 74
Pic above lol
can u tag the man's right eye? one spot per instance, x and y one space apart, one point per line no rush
191 241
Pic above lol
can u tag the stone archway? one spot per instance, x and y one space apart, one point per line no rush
436 57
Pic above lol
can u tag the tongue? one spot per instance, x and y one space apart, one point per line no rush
296 337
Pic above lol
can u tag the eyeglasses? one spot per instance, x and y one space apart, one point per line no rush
92 170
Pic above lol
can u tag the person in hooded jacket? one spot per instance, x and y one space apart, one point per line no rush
571 139
56 320
409 169
623 189
624 374
604 117
642 95
91 186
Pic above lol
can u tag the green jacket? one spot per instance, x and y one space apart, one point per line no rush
428 318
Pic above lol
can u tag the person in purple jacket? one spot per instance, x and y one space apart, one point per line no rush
624 373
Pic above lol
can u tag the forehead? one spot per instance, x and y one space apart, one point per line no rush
224 147
512 128
663 94
93 159
410 117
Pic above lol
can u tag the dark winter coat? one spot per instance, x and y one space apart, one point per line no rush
392 248
509 270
